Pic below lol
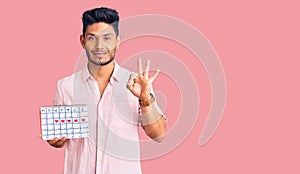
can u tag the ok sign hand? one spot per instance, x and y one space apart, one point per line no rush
140 85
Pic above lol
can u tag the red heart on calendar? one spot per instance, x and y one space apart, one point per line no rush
69 121
83 119
56 121
75 120
62 121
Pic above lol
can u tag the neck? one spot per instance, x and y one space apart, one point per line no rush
101 73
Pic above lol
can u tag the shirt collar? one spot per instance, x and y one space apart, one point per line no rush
115 75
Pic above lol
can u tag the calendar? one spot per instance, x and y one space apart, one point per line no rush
64 121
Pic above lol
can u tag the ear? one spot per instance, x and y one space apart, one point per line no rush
82 41
118 41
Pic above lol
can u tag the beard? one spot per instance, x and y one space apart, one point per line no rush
110 53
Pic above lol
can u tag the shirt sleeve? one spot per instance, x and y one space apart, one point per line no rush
155 105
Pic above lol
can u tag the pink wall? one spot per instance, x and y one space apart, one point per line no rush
257 43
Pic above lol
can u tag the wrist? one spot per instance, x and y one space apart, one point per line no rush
145 98
147 102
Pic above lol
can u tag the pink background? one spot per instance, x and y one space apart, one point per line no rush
258 45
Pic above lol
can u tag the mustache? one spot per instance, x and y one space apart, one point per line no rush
98 50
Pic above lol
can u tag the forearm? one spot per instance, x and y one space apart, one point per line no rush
153 123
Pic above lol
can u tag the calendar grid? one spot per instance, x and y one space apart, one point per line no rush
64 121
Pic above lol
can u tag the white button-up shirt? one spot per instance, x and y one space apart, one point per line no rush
113 145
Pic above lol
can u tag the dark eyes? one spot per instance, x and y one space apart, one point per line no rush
92 38
105 38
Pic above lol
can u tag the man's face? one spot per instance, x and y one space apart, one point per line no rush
100 42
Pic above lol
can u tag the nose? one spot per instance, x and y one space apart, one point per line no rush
99 45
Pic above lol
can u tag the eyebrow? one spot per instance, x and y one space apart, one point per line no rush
105 34
90 34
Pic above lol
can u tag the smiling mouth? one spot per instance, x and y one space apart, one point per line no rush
99 55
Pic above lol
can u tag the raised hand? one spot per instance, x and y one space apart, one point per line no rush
140 85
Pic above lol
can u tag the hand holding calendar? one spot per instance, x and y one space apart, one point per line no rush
58 143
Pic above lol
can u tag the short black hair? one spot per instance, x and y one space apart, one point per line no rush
102 14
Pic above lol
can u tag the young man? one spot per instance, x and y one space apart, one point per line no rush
117 100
